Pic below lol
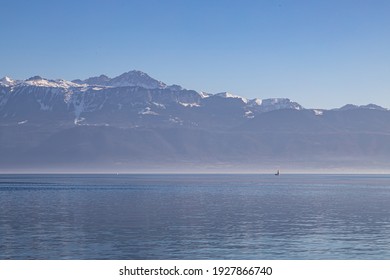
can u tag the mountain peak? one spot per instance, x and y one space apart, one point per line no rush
231 95
101 80
128 79
368 106
136 78
35 78
271 104
7 81
38 81
373 107
136 72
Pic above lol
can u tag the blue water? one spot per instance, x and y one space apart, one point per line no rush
194 217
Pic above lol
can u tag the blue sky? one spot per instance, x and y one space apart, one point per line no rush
322 54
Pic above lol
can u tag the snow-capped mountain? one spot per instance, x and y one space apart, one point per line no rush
131 78
133 119
6 81
37 81
231 95
133 94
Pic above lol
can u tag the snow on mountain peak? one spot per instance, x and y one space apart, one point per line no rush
271 104
66 84
204 94
230 95
255 102
7 81
132 78
38 81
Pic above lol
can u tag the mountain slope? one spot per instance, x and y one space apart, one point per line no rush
134 122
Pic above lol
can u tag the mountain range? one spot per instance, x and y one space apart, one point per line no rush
134 122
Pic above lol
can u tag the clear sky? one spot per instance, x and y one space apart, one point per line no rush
322 54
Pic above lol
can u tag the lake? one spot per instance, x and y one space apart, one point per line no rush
232 216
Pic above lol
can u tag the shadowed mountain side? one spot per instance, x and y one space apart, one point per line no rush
84 146
288 121
360 120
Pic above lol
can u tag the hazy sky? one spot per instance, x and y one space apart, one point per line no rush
322 54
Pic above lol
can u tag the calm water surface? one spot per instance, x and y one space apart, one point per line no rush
194 217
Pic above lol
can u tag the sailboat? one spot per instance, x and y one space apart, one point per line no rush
277 173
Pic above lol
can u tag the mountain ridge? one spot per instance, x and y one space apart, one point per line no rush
146 123
136 78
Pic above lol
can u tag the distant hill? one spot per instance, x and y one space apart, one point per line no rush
136 123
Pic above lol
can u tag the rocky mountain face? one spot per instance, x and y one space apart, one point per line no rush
133 122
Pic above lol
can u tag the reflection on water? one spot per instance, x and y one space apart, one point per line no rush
194 217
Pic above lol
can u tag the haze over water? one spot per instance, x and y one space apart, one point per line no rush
194 217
